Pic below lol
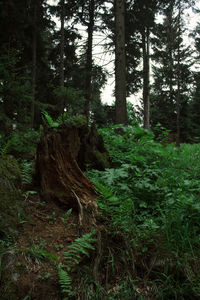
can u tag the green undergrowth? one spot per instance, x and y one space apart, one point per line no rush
152 196
10 199
64 119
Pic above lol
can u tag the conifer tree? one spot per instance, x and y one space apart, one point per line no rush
172 73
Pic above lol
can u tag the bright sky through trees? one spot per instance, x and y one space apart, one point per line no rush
106 58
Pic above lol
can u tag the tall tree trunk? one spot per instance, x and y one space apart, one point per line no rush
62 43
171 55
178 81
34 65
88 80
146 74
120 64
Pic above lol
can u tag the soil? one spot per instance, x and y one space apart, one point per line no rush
44 229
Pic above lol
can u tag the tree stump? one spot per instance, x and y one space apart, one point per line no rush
60 152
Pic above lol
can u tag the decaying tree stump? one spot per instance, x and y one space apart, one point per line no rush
60 154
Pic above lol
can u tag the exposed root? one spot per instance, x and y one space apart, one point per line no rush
80 208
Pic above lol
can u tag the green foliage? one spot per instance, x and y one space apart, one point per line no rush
73 99
65 118
38 255
161 133
10 195
48 119
152 195
65 282
80 247
76 121
66 215
26 171
19 142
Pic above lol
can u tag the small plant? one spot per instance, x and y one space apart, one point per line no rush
59 247
5 147
26 172
65 118
28 193
48 119
52 218
37 254
27 298
20 219
65 282
45 275
66 215
162 133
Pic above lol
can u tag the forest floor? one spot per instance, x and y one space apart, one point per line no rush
43 239
44 236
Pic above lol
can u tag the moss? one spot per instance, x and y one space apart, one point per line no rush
102 159
11 269
8 290
9 169
76 121
10 195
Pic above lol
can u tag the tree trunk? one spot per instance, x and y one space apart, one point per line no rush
146 88
60 154
171 55
34 65
88 80
178 80
62 43
120 64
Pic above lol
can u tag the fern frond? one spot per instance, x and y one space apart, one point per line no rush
65 282
26 172
49 119
72 257
80 246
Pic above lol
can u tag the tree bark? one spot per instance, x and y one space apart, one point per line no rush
60 154
146 75
88 81
178 80
120 64
34 65
171 55
62 43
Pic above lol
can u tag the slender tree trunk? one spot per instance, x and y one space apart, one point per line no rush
171 56
120 64
88 80
34 66
62 44
178 81
146 75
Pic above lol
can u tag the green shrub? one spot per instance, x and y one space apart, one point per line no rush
152 195
20 142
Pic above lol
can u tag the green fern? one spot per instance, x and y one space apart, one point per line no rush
65 282
5 147
79 247
48 119
26 172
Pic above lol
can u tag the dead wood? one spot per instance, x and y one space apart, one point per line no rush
61 152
